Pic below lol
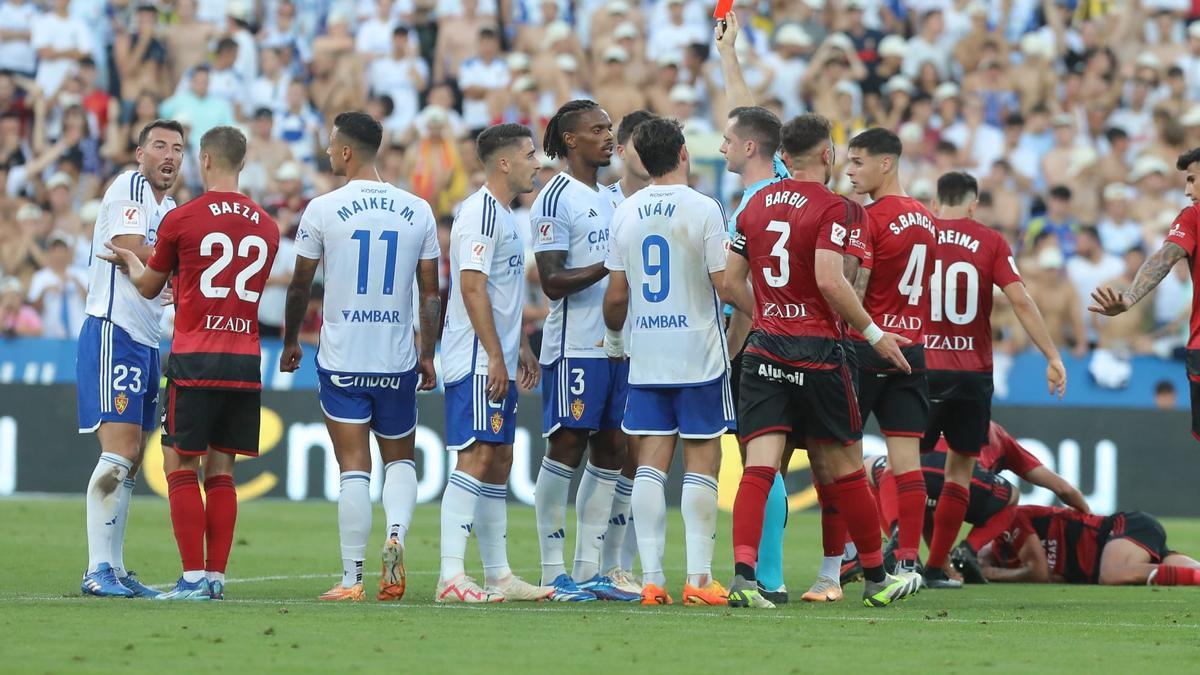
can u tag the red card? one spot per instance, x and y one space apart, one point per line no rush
723 8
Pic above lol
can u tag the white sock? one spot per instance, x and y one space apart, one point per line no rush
593 504
103 496
354 524
192 576
851 551
629 546
550 509
399 496
698 505
649 504
214 577
458 517
118 533
619 521
831 567
491 531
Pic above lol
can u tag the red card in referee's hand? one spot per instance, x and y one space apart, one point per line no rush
723 8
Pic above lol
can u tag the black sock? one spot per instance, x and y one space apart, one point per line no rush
745 570
874 574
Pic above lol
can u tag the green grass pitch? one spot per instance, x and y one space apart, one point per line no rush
287 553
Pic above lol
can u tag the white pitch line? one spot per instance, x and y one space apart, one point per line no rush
613 608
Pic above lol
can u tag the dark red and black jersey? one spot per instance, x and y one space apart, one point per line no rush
1001 453
904 242
1073 541
1185 233
220 246
970 258
779 232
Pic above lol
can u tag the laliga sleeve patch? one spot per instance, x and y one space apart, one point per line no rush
478 250
131 218
838 235
546 232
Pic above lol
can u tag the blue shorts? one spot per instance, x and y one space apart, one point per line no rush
696 411
472 418
584 394
116 378
387 402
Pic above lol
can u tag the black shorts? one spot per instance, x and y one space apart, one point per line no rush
960 407
195 420
806 404
1142 529
899 401
988 495
1193 373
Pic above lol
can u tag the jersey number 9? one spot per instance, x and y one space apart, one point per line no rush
656 265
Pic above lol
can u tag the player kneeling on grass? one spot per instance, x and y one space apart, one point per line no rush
790 240
220 247
1056 545
483 343
374 239
668 248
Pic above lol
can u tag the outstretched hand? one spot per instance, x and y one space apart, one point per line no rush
1107 301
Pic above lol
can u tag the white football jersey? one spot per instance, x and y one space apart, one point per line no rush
369 236
485 238
617 192
570 216
668 239
128 207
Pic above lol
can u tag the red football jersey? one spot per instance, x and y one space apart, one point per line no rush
1185 232
1001 452
904 240
1070 539
970 258
779 232
220 246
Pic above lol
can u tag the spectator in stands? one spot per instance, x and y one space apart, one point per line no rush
1129 332
16 318
1091 267
58 290
402 75
60 40
615 93
298 124
1058 220
458 39
274 295
1055 295
264 154
1118 232
1149 176
140 57
435 167
224 79
203 110
16 25
1165 396
481 79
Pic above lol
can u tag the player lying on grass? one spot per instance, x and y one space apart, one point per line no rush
1045 544
992 499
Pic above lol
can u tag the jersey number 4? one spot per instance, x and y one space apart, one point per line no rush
252 245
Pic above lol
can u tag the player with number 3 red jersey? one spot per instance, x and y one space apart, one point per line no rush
220 247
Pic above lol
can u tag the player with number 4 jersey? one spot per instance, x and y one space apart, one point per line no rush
969 259
220 247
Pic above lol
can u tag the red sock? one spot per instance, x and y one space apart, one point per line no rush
886 498
850 496
187 517
947 521
221 510
1170 575
910 497
833 526
983 534
748 508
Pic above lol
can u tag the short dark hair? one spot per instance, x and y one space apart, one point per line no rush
877 141
201 68
226 145
1164 387
1187 159
631 122
804 132
498 137
943 146
1113 134
170 125
400 30
760 125
563 122
263 113
146 8
956 188
658 142
485 33
87 62
1060 192
360 130
1014 119
226 43
1090 231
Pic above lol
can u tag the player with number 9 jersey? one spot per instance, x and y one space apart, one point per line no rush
220 246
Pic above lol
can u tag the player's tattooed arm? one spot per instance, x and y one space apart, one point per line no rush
1109 302
298 293
430 311
861 279
558 281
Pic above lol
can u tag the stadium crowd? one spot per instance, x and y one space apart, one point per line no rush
1070 112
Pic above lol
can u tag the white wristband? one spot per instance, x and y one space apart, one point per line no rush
614 344
873 333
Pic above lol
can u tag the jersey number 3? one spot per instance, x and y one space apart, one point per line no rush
244 249
779 252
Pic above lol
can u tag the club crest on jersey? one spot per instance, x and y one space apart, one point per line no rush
546 232
497 421
577 409
121 402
